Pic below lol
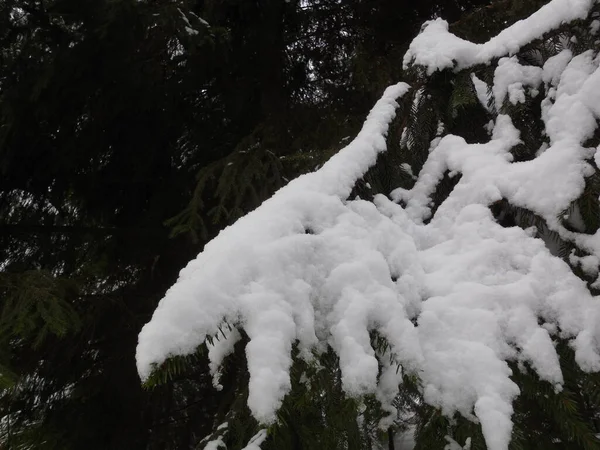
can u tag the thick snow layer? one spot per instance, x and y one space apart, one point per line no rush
261 273
436 48
510 78
455 294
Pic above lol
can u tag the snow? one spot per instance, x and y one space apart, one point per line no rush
456 295
218 350
184 17
405 440
437 49
510 78
555 66
188 26
482 91
256 441
589 264
453 445
405 167
217 442
262 269
200 19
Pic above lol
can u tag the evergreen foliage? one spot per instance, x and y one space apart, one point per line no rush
127 142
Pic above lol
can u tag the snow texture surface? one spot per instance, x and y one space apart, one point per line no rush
311 268
436 48
285 271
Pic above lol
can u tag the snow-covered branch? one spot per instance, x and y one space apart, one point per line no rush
311 268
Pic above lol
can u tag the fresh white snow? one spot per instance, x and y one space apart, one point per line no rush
311 268
436 48
262 270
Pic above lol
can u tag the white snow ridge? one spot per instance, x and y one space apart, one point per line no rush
311 268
